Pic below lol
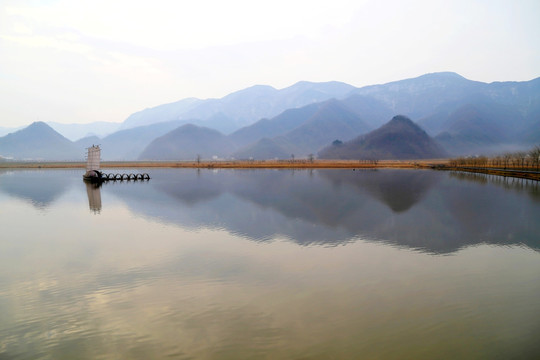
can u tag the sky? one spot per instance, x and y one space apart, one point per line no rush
102 60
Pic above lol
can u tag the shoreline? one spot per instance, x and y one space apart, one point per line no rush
236 164
435 164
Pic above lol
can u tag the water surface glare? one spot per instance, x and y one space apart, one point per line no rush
277 264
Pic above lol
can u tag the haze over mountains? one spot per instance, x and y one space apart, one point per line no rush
459 116
400 138
37 141
240 108
331 120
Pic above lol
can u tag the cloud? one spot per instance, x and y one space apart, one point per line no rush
175 25
144 54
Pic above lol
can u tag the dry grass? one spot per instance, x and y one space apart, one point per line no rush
237 164
442 164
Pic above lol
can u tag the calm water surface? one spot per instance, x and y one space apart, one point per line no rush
234 264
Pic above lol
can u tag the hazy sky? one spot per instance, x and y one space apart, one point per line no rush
81 61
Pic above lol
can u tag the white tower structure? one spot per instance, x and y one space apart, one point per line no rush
93 157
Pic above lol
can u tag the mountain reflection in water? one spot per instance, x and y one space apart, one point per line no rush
436 212
243 264
40 187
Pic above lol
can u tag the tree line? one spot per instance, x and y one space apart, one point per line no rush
526 160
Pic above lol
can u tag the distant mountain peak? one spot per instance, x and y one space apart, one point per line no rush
38 125
400 123
402 119
255 90
331 103
259 87
189 127
39 128
444 74
38 141
188 142
337 87
400 138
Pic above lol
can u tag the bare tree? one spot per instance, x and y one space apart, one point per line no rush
507 158
519 158
534 153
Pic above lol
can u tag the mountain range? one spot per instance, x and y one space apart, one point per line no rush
240 108
331 120
463 117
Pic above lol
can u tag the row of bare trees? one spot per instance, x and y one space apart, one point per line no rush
527 160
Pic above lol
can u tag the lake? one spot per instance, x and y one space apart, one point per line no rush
269 264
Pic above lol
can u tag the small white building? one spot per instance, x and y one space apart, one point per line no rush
93 158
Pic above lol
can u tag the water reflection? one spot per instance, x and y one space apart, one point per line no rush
194 264
94 196
41 188
531 187
399 190
436 212
426 210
